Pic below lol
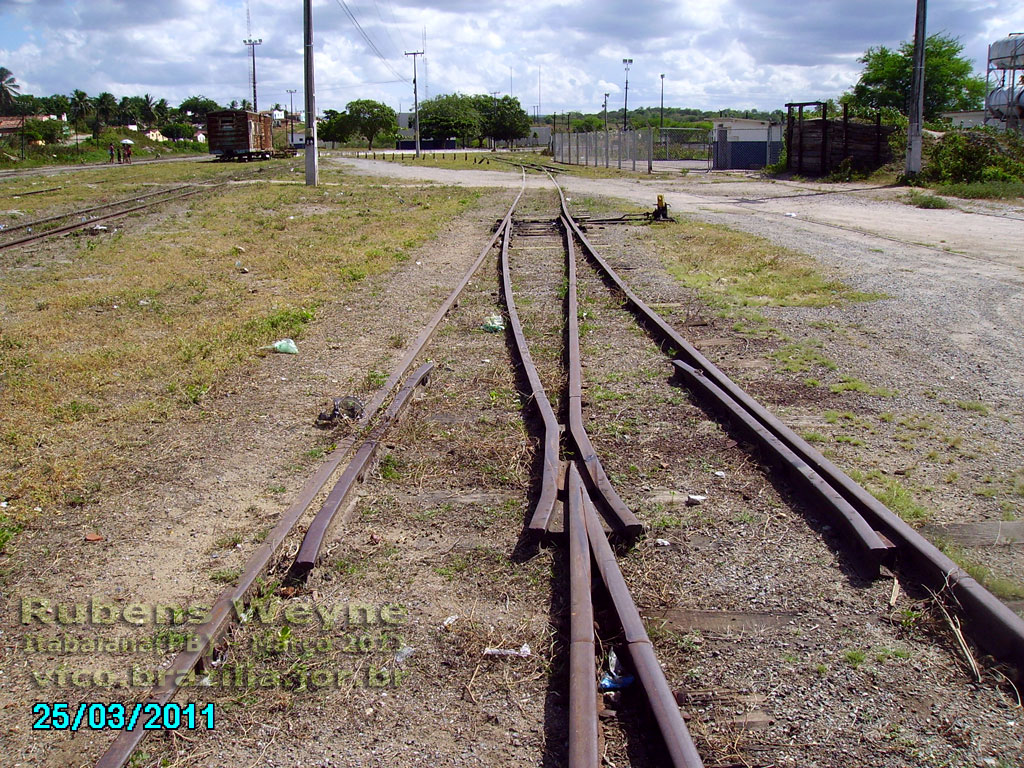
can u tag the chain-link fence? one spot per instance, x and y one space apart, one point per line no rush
635 150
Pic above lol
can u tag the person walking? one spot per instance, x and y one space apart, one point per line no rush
111 150
119 154
128 153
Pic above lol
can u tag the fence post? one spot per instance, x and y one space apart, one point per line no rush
789 136
633 148
607 147
619 147
800 147
846 130
825 154
650 150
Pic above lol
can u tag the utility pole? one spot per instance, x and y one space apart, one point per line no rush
913 166
625 104
415 97
291 113
252 43
312 161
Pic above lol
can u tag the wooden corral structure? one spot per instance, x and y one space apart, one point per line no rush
818 146
237 134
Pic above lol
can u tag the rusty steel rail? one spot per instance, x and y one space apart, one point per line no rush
83 224
583 735
545 505
222 615
677 737
990 623
70 214
623 515
309 550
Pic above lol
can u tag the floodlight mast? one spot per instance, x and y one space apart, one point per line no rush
415 97
625 103
252 43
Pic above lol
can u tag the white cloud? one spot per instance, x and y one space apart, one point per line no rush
727 53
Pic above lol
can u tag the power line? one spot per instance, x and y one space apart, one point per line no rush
373 47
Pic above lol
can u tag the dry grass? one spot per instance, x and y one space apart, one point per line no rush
731 269
101 334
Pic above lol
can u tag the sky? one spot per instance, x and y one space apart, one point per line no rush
558 54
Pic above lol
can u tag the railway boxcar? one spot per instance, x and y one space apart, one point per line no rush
237 134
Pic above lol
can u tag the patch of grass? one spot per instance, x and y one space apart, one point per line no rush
733 269
975 406
390 467
1003 588
228 541
985 190
144 325
853 384
815 437
892 493
375 379
801 356
226 575
921 199
8 530
854 657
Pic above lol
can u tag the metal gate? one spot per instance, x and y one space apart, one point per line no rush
690 148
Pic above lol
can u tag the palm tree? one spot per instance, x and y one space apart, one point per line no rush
161 110
148 107
81 107
106 108
8 89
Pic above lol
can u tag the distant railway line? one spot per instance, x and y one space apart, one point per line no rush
597 524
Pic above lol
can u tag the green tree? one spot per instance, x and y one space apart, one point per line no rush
443 117
161 111
178 131
336 126
104 112
510 121
199 106
949 80
588 124
371 118
8 89
46 131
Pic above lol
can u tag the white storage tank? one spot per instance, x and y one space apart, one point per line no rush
1003 102
1007 53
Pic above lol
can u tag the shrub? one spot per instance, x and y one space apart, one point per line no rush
977 154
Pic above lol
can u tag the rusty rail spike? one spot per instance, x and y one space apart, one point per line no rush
623 516
309 550
583 737
549 481
677 738
222 614
991 624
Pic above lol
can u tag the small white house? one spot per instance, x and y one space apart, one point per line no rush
153 134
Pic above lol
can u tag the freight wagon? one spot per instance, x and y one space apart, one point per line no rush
237 134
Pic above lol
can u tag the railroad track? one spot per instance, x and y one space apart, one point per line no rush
62 224
596 522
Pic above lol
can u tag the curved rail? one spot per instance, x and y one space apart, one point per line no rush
992 625
541 517
623 515
222 615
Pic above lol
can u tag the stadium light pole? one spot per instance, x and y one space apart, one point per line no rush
662 126
252 43
625 103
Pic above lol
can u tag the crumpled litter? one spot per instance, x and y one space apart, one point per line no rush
284 346
494 324
522 653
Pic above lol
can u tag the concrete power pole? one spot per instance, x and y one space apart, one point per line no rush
312 164
913 166
415 97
